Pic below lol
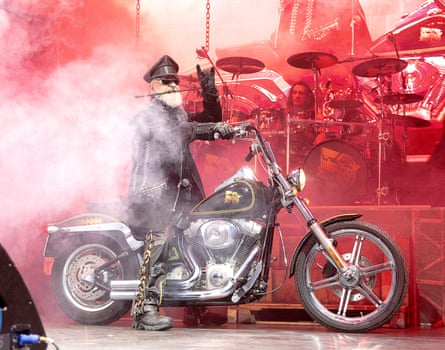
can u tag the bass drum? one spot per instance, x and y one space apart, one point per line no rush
336 174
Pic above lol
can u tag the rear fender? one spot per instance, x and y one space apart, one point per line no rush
84 225
324 223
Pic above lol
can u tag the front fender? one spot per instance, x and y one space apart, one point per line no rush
80 226
325 223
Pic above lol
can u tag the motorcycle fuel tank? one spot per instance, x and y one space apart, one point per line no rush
236 199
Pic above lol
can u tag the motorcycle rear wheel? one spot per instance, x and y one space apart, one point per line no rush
84 300
361 302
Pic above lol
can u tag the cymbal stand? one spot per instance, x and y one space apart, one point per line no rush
382 138
287 142
353 23
315 72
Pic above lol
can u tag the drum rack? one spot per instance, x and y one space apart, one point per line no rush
383 137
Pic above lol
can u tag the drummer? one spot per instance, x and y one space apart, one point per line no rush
300 110
301 101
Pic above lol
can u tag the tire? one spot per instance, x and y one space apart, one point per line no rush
379 269
88 302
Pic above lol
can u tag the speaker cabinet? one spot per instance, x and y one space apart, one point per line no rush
16 302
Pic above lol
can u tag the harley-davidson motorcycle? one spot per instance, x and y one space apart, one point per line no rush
349 275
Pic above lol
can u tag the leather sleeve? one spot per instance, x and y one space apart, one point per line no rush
204 131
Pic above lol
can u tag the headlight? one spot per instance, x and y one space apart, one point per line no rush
297 178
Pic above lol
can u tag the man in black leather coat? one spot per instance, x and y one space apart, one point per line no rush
164 177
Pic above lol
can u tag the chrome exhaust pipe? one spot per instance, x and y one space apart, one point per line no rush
126 290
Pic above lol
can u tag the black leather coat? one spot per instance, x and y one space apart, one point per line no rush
164 177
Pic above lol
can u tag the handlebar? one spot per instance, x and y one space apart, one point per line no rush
260 146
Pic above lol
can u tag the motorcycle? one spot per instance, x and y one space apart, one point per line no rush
349 275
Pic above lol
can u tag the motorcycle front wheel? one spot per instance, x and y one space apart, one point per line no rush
364 297
81 279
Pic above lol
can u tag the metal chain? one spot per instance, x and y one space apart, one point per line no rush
207 26
138 23
138 307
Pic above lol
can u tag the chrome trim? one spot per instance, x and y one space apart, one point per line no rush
132 242
126 290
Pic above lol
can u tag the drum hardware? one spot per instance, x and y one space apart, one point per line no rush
411 122
268 120
236 65
314 61
419 77
401 99
240 65
345 104
355 59
379 67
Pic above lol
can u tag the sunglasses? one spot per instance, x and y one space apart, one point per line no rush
169 81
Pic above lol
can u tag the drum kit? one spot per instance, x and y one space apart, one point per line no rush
337 161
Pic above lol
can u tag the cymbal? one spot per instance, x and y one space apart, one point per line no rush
411 122
345 104
379 67
400 99
240 65
309 60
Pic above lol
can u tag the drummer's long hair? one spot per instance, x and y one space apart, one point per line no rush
309 100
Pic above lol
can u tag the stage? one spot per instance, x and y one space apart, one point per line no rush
271 336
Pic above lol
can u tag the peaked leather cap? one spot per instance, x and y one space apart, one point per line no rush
164 68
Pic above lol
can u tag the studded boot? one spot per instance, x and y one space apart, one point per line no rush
152 320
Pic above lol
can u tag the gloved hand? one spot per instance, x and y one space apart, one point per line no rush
207 80
225 130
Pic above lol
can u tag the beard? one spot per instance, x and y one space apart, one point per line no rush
172 99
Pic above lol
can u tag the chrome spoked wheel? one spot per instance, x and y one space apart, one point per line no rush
81 279
364 296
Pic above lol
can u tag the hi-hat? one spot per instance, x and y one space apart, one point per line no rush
379 67
401 99
311 60
240 65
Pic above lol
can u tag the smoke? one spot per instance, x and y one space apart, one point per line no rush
69 71
65 112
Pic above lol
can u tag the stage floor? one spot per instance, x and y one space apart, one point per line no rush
231 336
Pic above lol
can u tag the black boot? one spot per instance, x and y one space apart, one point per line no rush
152 320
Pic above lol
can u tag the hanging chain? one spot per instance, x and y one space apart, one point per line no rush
138 23
207 26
